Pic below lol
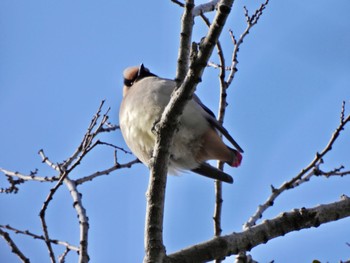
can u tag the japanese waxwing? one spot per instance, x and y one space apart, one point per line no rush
197 139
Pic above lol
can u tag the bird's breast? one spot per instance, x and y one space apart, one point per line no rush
142 108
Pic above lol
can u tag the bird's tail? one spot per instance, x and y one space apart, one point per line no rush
236 158
207 170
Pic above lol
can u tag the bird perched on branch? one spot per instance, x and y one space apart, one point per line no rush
197 139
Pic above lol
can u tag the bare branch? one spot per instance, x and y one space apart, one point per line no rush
185 42
255 17
40 237
86 145
105 172
304 175
334 172
99 124
232 244
204 8
155 250
83 220
46 160
113 146
62 258
31 177
12 189
44 225
251 21
13 246
221 116
220 165
84 148
178 3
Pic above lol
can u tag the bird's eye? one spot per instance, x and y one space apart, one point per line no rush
128 82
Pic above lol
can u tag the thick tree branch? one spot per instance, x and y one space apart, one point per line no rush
185 42
204 8
232 244
155 250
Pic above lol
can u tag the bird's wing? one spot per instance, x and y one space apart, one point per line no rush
210 116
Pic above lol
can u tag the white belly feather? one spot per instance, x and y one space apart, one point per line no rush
142 108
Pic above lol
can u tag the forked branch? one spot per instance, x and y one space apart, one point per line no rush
313 169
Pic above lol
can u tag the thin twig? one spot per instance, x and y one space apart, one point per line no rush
221 115
99 124
304 175
220 164
178 3
30 177
13 246
87 137
46 160
113 146
40 237
13 188
105 172
251 21
62 258
84 148
334 172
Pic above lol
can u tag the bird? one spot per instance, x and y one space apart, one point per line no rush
197 139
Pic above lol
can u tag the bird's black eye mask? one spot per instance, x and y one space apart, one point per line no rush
128 82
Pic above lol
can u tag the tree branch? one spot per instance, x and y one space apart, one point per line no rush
185 41
204 8
295 220
64 169
221 116
83 220
155 250
13 246
31 177
305 174
35 236
106 171
220 164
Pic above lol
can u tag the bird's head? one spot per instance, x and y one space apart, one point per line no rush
133 74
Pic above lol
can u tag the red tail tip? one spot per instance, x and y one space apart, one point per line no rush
237 161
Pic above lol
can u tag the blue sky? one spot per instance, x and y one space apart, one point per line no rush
59 59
